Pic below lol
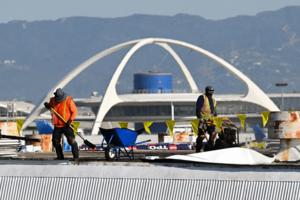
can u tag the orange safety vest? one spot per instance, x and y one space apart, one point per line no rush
205 110
67 109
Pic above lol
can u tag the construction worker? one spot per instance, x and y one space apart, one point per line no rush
205 110
66 108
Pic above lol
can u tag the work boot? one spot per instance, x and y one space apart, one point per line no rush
209 146
198 148
75 149
199 144
59 151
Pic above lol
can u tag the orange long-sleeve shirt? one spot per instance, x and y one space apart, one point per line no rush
67 109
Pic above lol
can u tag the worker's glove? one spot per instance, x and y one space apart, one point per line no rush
47 105
69 122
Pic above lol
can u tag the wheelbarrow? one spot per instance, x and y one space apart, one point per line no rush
120 142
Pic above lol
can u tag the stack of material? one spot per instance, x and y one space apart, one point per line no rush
8 148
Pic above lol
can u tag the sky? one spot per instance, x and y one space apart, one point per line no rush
32 10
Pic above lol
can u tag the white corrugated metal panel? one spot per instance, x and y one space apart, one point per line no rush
42 188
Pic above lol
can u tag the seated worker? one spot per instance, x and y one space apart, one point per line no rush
205 110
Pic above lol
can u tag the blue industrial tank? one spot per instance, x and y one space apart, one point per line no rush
153 82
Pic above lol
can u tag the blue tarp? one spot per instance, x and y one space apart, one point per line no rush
43 126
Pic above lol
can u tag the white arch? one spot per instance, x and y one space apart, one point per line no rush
80 68
111 98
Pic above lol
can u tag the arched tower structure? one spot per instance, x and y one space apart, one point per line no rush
110 98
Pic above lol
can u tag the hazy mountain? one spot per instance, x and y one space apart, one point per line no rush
35 55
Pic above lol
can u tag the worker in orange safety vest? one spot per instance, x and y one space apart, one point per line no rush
65 106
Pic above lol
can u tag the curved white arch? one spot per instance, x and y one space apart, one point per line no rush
110 97
183 67
80 68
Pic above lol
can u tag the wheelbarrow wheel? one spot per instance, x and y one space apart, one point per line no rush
110 153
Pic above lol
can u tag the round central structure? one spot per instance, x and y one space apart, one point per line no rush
152 82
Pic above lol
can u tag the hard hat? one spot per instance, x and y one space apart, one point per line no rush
209 89
59 95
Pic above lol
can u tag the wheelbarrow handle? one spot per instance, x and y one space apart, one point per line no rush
143 142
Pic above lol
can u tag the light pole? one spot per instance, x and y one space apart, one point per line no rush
282 85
